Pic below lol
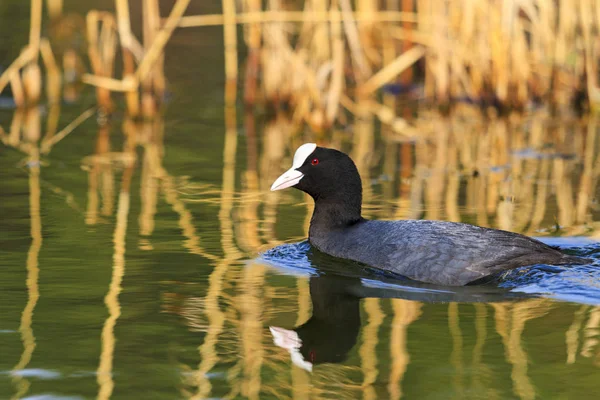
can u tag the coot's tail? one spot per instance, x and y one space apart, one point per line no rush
574 260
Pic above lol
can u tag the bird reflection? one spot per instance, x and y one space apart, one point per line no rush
333 328
336 293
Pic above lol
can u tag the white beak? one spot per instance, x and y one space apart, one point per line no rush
290 178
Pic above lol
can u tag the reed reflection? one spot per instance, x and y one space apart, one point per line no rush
29 143
510 324
501 178
504 173
240 300
532 175
25 135
583 336
214 315
111 300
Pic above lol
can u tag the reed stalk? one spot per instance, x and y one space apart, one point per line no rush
53 73
55 8
32 83
501 55
156 82
16 86
151 56
35 27
337 71
25 57
252 37
292 16
101 28
392 70
230 37
128 40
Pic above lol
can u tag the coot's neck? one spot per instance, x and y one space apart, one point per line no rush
334 213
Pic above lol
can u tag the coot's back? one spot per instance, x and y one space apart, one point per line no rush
445 253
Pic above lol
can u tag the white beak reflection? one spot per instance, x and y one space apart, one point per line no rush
289 340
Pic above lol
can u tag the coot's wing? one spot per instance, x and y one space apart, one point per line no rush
456 254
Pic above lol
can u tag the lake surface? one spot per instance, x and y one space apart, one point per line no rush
150 260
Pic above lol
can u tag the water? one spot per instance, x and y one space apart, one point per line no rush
157 264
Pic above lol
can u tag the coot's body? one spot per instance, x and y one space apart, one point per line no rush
445 253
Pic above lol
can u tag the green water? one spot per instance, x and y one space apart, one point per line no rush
133 264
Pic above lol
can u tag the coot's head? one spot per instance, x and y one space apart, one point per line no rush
323 173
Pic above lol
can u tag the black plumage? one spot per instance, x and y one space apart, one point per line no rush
439 252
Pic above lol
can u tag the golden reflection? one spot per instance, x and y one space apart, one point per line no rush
216 321
155 147
362 151
456 357
32 266
572 334
504 173
214 314
301 380
591 333
453 184
586 184
152 138
509 169
52 139
247 228
367 351
275 136
435 184
100 173
251 326
186 222
510 324
405 313
480 381
104 373
250 300
228 189
301 386
300 377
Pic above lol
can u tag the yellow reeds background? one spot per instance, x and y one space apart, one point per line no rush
322 57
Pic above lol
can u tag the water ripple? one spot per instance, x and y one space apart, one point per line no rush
579 284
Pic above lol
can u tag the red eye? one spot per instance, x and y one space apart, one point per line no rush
314 161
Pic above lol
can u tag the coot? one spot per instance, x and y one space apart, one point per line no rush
444 253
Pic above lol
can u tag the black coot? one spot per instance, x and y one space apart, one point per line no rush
445 253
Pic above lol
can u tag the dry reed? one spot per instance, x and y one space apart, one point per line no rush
502 55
